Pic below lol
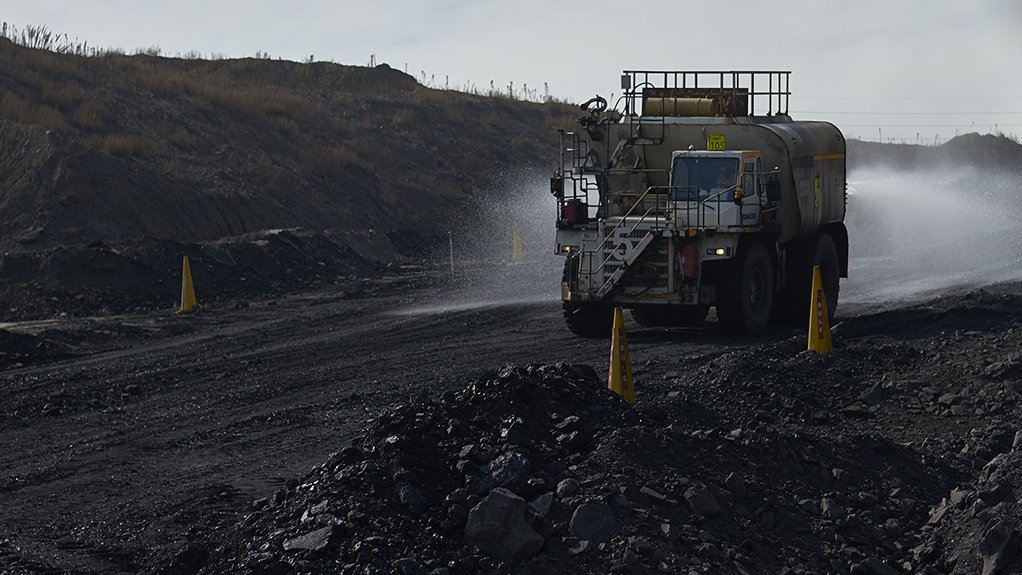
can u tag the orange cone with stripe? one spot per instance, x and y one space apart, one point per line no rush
819 323
187 289
620 378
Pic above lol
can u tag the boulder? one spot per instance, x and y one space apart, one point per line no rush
592 521
567 488
497 526
503 471
312 541
702 502
998 547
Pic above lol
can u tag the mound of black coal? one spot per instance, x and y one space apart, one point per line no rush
435 481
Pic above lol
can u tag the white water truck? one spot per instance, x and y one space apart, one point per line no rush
698 191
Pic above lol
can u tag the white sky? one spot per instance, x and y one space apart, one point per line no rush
873 67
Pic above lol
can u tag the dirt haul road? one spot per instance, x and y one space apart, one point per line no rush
113 460
118 452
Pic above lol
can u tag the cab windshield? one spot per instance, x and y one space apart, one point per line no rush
695 179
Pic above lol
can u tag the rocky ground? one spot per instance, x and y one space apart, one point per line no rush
894 453
492 446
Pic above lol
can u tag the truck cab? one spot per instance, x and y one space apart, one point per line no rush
722 188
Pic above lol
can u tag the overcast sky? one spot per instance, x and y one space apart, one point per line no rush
905 69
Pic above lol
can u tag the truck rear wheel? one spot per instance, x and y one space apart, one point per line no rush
830 271
745 293
823 253
594 320
670 316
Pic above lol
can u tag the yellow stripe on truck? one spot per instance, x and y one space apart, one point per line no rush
821 157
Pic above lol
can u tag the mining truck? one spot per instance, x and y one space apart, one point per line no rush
697 190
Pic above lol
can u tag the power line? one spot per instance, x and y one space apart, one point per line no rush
906 113
901 99
999 125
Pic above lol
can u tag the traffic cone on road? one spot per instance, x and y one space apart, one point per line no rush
517 253
620 378
187 289
819 323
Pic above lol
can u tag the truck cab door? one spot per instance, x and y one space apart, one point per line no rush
750 201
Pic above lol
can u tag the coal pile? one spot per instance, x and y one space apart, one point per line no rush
896 453
489 466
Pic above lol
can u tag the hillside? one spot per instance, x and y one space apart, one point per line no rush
977 150
113 147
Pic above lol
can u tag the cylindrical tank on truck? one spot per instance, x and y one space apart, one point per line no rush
699 192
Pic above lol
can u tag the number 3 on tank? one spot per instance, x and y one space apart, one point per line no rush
817 193
715 142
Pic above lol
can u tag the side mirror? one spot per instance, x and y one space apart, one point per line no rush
557 186
773 191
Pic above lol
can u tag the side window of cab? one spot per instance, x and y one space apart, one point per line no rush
750 178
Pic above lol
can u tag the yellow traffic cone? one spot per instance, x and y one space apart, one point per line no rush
187 289
620 378
819 323
516 245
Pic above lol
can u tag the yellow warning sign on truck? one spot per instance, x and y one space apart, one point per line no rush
715 142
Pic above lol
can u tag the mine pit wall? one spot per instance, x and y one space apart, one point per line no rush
801 151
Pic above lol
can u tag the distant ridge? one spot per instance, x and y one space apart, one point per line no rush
978 150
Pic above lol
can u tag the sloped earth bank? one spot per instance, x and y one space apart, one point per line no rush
145 274
896 453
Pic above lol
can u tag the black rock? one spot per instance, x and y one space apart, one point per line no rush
592 521
998 547
505 470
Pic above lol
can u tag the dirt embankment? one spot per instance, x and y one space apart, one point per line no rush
114 167
114 147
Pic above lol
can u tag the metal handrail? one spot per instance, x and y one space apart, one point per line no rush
718 194
628 213
623 219
607 260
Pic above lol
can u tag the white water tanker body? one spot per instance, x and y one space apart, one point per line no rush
698 202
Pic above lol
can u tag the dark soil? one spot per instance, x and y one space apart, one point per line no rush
818 464
839 463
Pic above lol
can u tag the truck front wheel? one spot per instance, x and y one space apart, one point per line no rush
594 320
745 291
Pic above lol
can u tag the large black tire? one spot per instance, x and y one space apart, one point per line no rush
670 316
830 271
585 319
801 259
594 320
745 291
